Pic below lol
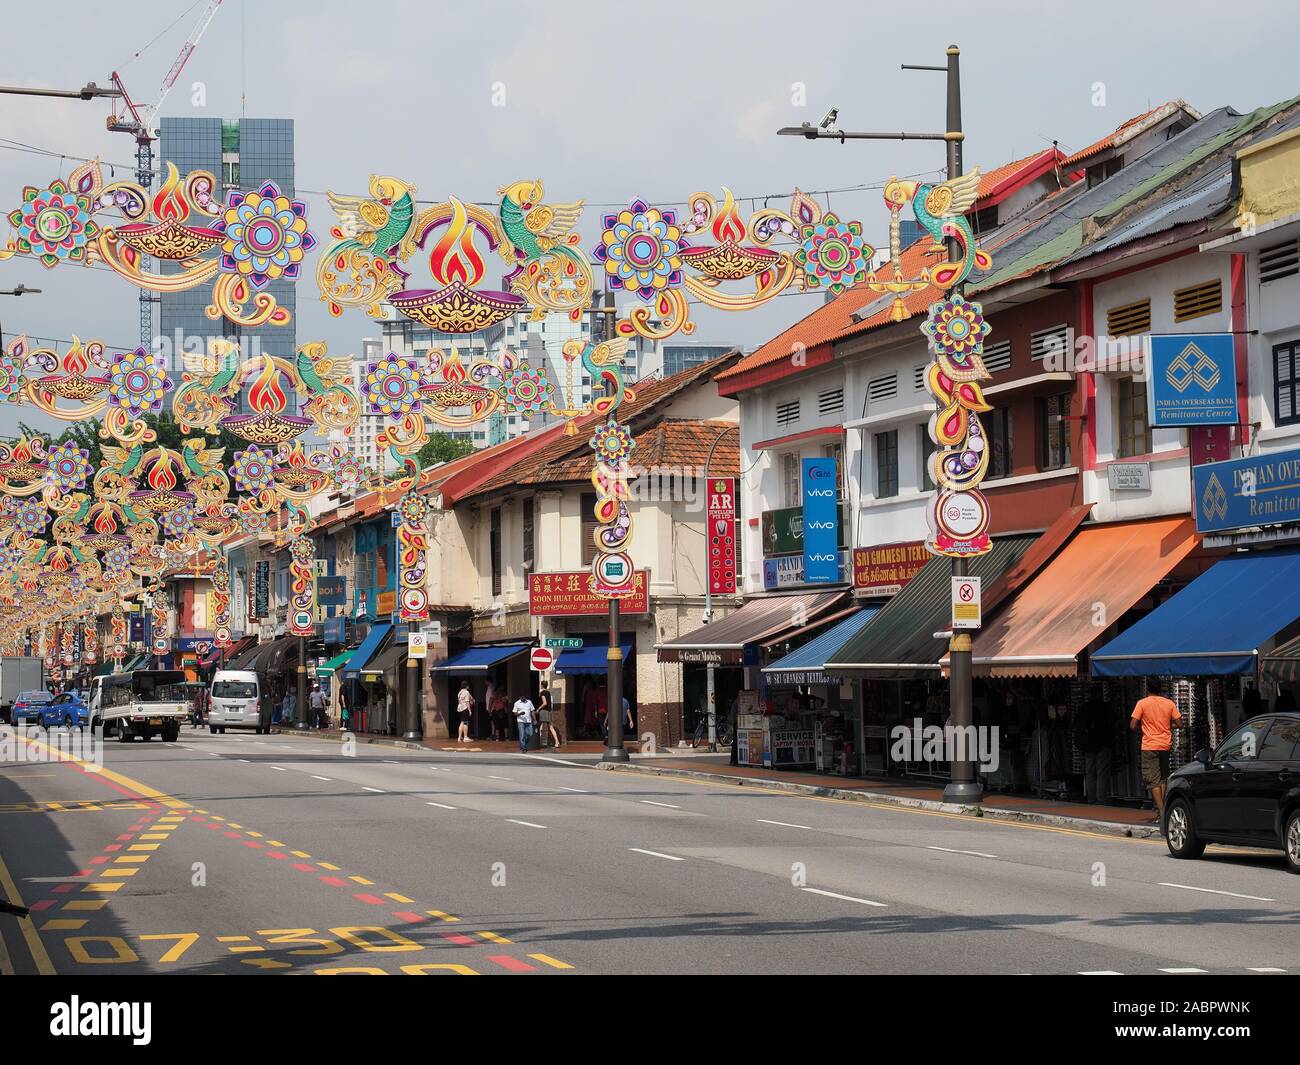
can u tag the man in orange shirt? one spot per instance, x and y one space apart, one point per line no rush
1155 714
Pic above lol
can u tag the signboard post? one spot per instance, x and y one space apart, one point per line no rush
820 521
722 535
417 645
540 659
966 603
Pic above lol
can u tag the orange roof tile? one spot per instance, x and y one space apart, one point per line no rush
671 443
993 180
1127 130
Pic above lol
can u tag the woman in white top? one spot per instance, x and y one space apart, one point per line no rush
464 708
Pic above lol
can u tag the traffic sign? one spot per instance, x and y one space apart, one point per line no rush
563 643
966 613
541 659
417 645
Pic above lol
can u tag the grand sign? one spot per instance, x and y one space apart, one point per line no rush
568 594
1241 493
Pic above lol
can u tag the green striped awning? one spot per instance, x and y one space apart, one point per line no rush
1283 662
336 663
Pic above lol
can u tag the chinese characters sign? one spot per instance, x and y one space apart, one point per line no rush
568 594
722 535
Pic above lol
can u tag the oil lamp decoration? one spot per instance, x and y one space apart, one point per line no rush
412 557
302 587
298 476
119 629
160 642
23 471
89 642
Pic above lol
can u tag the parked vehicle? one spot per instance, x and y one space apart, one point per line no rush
68 710
145 703
28 707
237 702
1246 793
18 675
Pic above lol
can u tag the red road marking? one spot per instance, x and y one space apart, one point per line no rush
458 939
114 846
303 867
277 854
513 964
125 836
214 826
374 900
408 915
44 904
99 859
333 881
231 835
251 843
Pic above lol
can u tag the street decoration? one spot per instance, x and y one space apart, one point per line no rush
302 587
412 557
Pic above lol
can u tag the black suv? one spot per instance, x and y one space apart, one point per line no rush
1246 793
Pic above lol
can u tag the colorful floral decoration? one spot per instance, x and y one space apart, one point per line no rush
12 377
31 517
255 521
412 557
640 248
251 469
347 470
833 254
265 235
392 386
69 466
612 443
117 558
179 523
138 383
526 391
302 587
956 331
221 604
54 223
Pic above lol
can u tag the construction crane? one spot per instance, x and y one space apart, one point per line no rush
142 123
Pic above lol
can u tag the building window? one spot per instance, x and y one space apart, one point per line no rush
791 475
887 464
1054 431
787 413
925 449
997 430
1196 301
1134 432
836 452
494 549
528 535
1286 383
1129 319
589 527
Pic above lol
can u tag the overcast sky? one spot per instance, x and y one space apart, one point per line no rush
604 102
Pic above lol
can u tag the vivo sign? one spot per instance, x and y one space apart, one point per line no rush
820 522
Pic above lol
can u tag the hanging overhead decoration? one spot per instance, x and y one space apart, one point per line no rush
302 587
412 557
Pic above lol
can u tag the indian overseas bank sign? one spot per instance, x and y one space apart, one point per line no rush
1240 493
1193 380
821 516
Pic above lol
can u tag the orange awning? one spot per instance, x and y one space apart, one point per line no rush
1095 579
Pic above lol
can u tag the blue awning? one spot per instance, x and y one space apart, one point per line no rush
479 659
1215 625
806 664
367 649
592 661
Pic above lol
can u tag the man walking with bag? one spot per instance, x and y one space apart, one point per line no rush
524 719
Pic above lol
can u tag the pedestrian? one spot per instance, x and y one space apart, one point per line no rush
498 716
286 709
629 726
316 701
1096 751
524 720
1155 715
345 710
546 716
464 709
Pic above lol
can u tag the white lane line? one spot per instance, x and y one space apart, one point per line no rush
783 824
576 791
1212 891
491 777
389 761
440 805
278 768
950 850
656 854
366 788
1101 972
557 761
315 777
242 760
213 754
1180 972
526 824
651 802
1265 969
846 898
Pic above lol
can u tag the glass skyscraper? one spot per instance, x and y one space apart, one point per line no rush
242 156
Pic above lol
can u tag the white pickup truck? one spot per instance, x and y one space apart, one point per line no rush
145 703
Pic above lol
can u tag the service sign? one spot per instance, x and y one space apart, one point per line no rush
821 521
722 535
570 593
885 568
1193 380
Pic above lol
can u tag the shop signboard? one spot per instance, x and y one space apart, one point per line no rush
331 591
1240 493
885 568
332 630
569 594
261 606
722 535
821 521
1193 380
783 530
1129 476
787 571
385 603
790 747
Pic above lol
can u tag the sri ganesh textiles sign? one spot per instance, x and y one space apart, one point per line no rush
885 568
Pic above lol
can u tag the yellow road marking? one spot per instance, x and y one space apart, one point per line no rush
423 970
143 847
102 887
156 835
331 868
554 963
274 843
492 937
360 880
62 924
119 872
133 858
300 854
255 835
84 904
443 916
233 939
247 950
396 897
32 937
233 825
143 790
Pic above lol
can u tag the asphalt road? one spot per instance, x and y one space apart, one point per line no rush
285 854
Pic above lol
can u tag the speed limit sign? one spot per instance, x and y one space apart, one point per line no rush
966 603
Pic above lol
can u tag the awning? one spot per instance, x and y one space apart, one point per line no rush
336 663
899 641
1283 663
1215 625
244 653
1094 580
479 659
212 658
767 618
592 661
806 664
133 663
367 649
271 660
389 658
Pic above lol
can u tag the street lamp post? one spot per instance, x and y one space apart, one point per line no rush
963 785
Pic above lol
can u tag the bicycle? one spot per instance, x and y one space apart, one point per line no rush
724 731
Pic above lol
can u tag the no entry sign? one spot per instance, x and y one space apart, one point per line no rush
541 659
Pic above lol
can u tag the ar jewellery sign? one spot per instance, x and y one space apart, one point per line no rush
1193 380
821 557
1260 490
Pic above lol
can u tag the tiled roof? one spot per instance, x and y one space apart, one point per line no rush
995 180
670 443
1127 130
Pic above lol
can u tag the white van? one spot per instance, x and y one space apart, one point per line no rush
237 702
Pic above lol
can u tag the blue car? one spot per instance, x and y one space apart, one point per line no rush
29 707
67 709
